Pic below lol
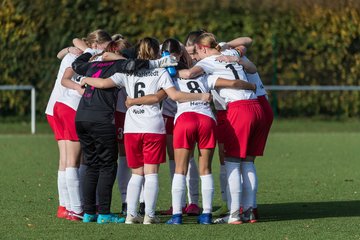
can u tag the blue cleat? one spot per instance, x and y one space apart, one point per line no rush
175 219
205 218
89 218
109 218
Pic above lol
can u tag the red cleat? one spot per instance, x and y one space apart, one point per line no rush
170 211
76 216
62 212
167 212
193 210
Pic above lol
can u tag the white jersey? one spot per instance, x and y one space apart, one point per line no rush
121 98
219 102
202 84
255 78
58 89
71 97
144 118
228 71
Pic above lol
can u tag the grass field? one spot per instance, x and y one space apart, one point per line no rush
309 188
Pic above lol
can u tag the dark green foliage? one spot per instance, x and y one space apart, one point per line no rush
316 42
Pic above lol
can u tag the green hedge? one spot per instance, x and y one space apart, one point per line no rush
310 42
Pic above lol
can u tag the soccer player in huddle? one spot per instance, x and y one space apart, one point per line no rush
194 123
242 131
60 112
149 138
144 129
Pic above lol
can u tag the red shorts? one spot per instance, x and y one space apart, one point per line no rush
269 116
65 120
191 127
220 131
58 133
145 148
169 124
119 124
245 131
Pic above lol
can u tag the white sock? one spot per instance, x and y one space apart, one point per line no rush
172 168
223 182
234 178
73 186
82 171
207 192
250 184
192 182
151 190
178 192
133 193
123 177
141 197
62 189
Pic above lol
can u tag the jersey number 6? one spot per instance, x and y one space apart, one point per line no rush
137 90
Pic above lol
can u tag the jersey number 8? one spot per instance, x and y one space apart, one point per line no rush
194 87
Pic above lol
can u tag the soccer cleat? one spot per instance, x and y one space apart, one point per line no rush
248 216
167 212
151 220
233 218
175 219
192 210
124 208
109 218
68 217
256 213
141 211
130 219
205 218
222 211
170 211
76 216
62 212
89 218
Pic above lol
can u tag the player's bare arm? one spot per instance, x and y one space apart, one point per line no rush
191 73
146 100
67 82
239 84
247 65
74 50
187 97
245 41
98 82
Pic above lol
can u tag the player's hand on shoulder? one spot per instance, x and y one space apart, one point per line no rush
76 51
227 59
82 81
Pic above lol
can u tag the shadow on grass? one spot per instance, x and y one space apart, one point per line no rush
295 211
308 210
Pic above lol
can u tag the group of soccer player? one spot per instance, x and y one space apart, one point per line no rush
118 108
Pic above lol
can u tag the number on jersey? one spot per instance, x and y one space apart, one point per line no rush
137 90
194 87
231 66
